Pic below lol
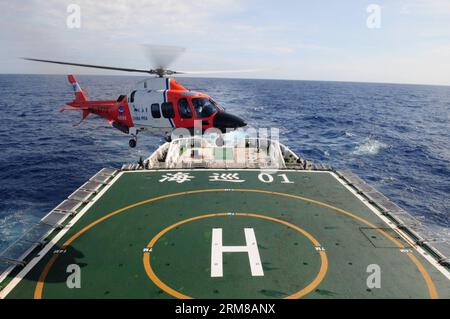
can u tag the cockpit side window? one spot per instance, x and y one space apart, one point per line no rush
184 109
204 107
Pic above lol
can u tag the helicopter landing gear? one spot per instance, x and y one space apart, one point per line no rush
132 142
134 133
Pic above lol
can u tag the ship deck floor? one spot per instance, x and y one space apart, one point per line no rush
230 234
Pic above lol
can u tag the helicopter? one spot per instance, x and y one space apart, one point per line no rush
159 104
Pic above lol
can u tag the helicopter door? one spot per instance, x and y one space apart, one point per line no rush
138 108
156 118
146 108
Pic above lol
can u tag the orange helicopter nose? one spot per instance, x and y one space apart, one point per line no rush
224 120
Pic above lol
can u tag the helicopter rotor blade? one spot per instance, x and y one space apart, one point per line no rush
161 56
221 71
93 66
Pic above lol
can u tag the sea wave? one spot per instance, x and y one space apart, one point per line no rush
369 146
14 224
345 125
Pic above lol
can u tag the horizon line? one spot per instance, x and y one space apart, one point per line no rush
235 78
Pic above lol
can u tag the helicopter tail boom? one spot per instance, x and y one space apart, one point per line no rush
114 111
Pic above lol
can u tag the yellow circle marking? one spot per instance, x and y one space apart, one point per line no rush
153 277
429 282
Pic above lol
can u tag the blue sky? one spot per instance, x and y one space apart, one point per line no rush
309 40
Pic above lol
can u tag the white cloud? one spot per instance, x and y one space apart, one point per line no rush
425 7
233 34
284 50
111 32
139 17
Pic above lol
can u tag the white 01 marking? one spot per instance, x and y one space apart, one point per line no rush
265 178
285 179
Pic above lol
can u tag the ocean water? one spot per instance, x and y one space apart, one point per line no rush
396 137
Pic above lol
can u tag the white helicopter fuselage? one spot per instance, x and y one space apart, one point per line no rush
145 104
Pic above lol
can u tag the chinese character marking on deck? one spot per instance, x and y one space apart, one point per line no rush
230 177
178 177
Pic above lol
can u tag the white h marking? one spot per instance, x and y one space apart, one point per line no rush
251 248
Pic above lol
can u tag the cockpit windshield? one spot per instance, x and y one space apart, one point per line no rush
204 107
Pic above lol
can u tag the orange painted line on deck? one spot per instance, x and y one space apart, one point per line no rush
427 278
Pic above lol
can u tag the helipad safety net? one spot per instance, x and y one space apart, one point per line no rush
17 253
434 241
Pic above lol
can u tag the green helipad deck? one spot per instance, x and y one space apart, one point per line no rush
244 233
